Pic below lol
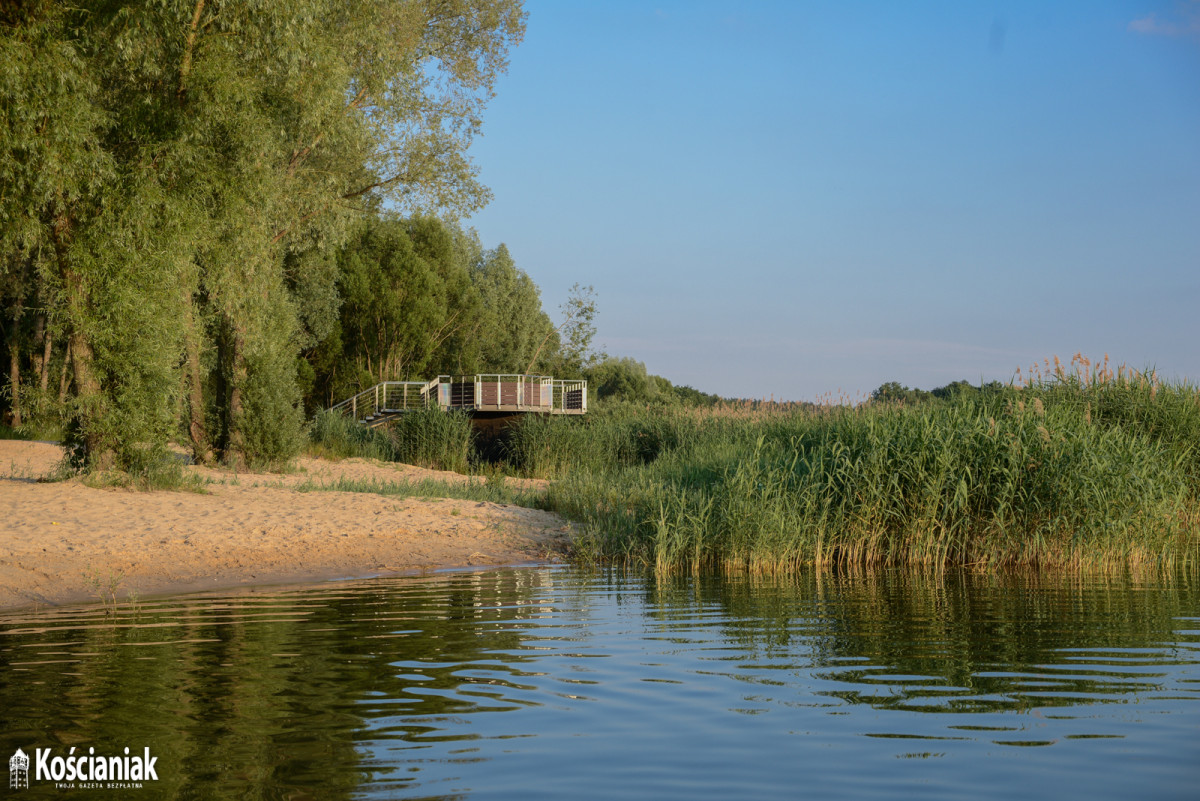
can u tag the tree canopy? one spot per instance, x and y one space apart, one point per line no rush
180 182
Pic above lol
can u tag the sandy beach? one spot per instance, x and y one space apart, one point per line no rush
63 542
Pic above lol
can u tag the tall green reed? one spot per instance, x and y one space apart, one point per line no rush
439 440
1029 476
333 435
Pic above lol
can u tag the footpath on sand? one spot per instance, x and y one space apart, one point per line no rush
63 541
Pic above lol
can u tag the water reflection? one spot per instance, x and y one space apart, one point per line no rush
956 642
553 682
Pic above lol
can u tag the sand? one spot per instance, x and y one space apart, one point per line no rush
63 542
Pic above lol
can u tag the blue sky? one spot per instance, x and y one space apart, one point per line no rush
794 199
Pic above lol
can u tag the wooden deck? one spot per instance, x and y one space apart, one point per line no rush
488 393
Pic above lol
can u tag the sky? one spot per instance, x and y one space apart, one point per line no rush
800 200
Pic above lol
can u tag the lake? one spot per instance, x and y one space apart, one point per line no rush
559 682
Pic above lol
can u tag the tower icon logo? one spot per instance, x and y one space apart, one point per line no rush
18 771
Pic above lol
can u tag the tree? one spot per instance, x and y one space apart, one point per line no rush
576 331
391 303
512 322
625 379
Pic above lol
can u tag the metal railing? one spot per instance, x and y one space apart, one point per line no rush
510 391
569 395
387 397
482 392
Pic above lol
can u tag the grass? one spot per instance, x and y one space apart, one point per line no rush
335 436
487 491
8 432
104 586
148 469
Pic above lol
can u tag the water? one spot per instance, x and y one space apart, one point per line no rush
555 683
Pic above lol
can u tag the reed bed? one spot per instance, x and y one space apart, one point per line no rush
1075 469
434 439
430 438
333 435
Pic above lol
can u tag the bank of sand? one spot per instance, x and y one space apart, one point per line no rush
62 541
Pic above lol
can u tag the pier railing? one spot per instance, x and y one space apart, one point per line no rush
570 396
482 392
388 398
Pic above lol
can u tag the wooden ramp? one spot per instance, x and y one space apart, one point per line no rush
483 394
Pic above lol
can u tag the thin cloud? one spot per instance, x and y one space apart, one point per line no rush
1187 25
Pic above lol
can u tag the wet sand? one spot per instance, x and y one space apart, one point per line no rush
63 542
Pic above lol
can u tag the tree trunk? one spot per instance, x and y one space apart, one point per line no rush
197 432
39 340
233 365
64 380
237 434
87 390
44 367
14 366
87 387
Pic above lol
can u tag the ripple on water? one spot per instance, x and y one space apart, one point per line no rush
552 682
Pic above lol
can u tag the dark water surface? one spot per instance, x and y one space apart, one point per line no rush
558 683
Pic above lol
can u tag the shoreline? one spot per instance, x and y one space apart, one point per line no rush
64 542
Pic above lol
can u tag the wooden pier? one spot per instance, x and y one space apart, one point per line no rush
482 395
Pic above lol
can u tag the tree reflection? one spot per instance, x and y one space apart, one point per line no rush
951 641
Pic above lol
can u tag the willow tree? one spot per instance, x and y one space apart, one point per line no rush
52 169
206 147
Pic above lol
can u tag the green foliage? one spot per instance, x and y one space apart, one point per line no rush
21 433
612 438
895 392
614 379
689 396
1136 403
392 300
623 378
272 423
418 298
408 307
434 439
148 468
577 331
